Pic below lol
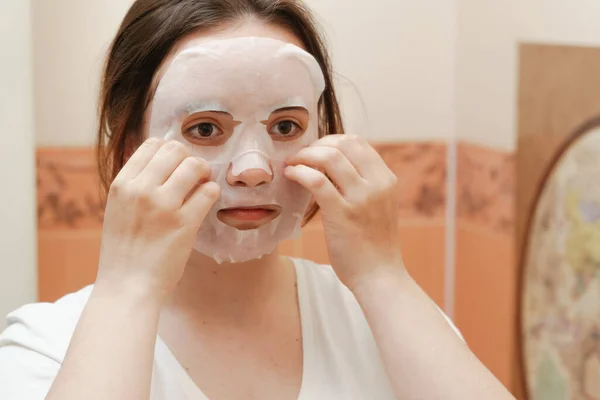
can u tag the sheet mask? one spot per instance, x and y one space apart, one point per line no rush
248 78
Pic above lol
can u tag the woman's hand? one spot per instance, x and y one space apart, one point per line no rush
155 207
355 190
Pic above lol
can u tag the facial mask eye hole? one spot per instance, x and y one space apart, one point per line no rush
204 130
285 130
287 123
208 128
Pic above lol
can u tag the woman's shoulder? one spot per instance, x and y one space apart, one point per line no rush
33 345
45 327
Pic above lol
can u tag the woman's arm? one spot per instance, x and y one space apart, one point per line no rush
155 207
358 197
423 356
111 352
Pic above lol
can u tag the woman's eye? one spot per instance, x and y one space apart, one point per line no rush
204 130
285 128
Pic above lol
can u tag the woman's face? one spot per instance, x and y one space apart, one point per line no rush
244 98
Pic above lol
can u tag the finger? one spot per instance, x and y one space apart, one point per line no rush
189 174
164 162
335 164
140 159
325 194
200 202
359 152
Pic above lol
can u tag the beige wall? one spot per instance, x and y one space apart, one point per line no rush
488 35
397 66
70 41
396 61
398 56
17 203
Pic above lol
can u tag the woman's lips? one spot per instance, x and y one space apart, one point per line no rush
245 218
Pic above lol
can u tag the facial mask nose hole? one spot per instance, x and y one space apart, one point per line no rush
250 178
250 160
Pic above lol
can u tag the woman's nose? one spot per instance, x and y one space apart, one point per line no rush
252 177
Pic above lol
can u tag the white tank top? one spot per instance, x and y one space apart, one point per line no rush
340 359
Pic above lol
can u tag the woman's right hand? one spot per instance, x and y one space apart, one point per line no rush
155 207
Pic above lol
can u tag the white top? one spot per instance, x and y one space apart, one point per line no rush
341 360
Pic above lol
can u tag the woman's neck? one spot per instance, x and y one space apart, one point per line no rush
232 293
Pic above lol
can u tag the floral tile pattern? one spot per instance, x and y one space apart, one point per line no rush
68 190
421 170
485 187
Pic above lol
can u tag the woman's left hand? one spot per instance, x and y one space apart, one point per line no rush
355 191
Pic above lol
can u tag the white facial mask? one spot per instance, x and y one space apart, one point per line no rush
248 78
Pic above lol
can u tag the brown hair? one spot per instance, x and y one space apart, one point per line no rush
147 34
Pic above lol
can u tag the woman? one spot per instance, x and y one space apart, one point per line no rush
167 318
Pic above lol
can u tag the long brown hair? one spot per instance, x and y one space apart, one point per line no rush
147 34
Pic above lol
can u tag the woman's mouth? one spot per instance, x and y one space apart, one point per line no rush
246 218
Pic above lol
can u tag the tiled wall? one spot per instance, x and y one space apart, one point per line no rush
70 217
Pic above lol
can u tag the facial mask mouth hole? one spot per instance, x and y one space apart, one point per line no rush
248 218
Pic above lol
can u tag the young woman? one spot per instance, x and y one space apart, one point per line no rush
167 318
